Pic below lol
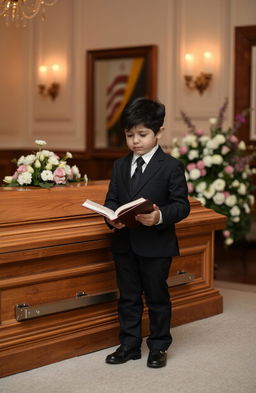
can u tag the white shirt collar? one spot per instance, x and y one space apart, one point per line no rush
146 157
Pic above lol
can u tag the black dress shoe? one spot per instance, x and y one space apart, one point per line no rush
157 359
123 354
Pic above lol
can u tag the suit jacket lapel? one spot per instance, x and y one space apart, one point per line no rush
151 170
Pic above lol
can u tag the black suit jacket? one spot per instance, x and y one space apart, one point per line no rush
163 182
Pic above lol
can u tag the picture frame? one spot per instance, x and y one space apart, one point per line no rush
114 77
245 80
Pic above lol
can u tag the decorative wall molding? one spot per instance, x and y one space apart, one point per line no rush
189 26
47 51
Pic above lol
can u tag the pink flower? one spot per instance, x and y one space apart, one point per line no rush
202 172
226 194
183 149
22 168
191 166
240 118
229 169
59 176
225 150
233 139
200 164
226 233
199 132
15 176
190 187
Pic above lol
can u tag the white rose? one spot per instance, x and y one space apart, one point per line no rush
231 200
219 184
219 139
175 152
242 145
193 154
29 159
75 171
217 159
53 160
219 198
211 144
207 161
195 174
48 166
186 175
251 199
213 120
39 142
201 186
189 140
235 183
42 156
37 164
202 200
8 179
207 152
30 169
47 153
209 192
235 211
174 141
24 178
204 139
47 175
69 155
229 241
20 160
67 169
236 219
244 175
242 189
86 179
246 208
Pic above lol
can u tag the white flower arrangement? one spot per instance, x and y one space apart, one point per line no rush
218 173
44 169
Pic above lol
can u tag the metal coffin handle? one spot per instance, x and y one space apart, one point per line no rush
25 311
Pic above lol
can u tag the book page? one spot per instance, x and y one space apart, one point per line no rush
100 209
129 205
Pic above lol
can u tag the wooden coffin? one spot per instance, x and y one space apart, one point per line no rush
54 253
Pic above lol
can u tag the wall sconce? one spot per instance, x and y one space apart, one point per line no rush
203 80
52 89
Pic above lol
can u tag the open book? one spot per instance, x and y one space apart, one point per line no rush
125 213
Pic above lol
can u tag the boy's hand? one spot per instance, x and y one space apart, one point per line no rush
149 219
117 225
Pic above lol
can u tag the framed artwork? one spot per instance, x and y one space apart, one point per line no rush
114 77
245 80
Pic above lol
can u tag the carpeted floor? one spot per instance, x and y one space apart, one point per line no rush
214 355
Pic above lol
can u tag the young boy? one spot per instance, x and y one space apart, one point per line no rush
143 255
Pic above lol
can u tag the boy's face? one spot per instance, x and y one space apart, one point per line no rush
141 139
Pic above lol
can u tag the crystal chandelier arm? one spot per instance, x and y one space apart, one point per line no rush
50 2
29 8
3 7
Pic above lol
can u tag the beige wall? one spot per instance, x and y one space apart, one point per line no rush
74 26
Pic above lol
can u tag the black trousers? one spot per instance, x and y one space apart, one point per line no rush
137 275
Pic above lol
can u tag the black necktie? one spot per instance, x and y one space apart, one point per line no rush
135 180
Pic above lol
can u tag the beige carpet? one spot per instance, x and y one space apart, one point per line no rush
214 355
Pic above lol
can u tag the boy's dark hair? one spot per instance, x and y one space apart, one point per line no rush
143 111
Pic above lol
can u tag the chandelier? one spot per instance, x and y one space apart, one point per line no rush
19 11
